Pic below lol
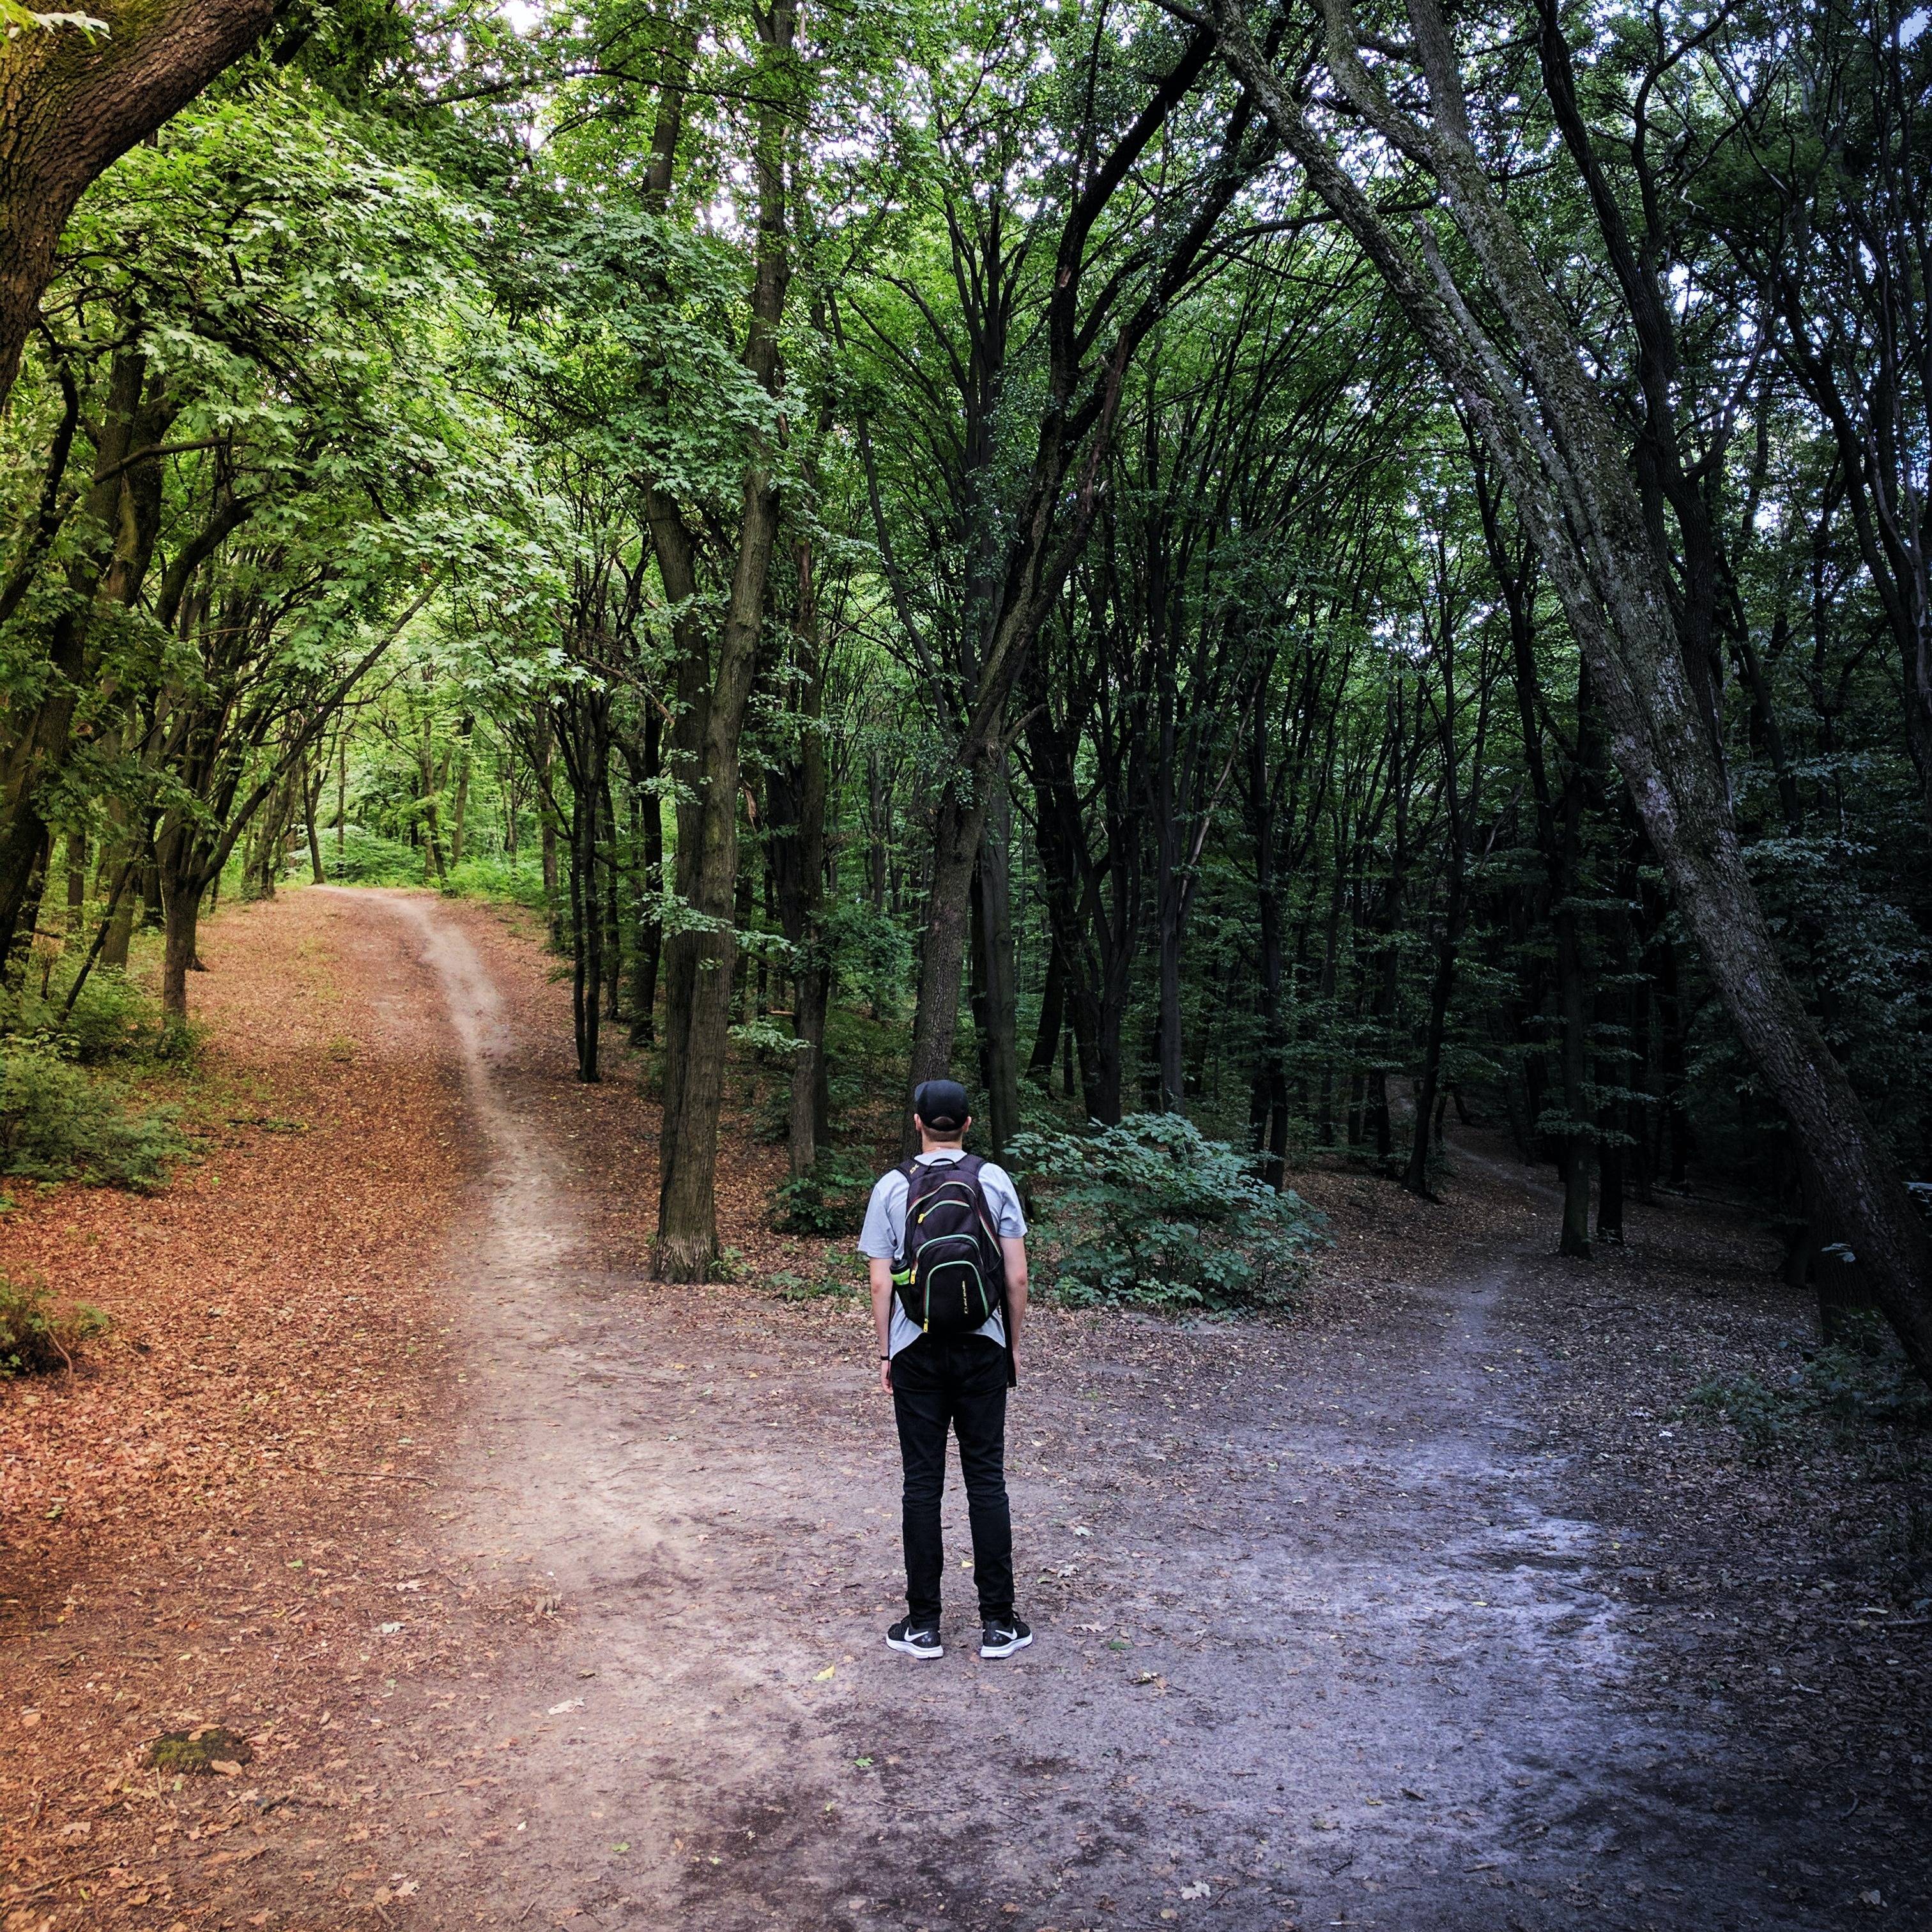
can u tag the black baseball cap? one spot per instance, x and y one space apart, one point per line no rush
941 1105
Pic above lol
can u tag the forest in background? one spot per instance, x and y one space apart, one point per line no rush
1288 570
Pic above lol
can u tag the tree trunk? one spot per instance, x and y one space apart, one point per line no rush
465 726
1560 452
1171 1092
1427 1108
181 895
341 798
1572 993
1000 1024
1267 1108
1052 1015
120 931
72 103
958 827
796 801
649 937
76 881
311 797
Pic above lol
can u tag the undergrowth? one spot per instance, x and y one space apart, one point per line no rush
829 1199
1852 1389
836 1282
359 857
36 1337
64 1114
1152 1213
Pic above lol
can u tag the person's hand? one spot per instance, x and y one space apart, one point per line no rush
886 1378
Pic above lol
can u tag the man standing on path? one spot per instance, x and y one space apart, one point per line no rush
946 1240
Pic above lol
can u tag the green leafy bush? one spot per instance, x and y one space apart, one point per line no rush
37 1338
363 858
1854 1387
1151 1212
495 877
112 1019
829 1200
831 1285
58 1123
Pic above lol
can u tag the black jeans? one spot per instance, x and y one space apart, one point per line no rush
960 1382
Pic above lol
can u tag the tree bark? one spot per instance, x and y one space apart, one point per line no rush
647 939
1052 1015
1000 1022
71 104
1567 473
796 797
687 1238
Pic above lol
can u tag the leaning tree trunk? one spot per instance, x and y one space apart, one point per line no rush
1561 455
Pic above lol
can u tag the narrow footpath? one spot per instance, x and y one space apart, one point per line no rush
1319 1642
1343 1622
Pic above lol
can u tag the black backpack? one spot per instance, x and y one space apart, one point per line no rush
950 1276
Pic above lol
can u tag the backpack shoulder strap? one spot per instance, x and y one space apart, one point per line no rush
968 1168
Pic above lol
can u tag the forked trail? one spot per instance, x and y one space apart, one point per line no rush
549 1597
1322 1640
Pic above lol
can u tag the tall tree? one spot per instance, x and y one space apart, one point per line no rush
75 95
1525 381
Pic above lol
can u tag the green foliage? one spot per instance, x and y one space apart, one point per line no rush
829 1200
835 1283
36 1338
1851 1388
772 1045
1151 1212
354 856
58 1123
112 1020
496 877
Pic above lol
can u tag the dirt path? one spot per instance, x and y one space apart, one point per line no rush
1321 1641
1388 1617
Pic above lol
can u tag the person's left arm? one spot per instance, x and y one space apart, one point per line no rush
882 1316
1012 1251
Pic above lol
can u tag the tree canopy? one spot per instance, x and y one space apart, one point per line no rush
1299 566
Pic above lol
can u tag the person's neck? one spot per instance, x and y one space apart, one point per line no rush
931 1146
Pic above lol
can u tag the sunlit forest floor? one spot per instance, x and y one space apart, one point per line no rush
529 1593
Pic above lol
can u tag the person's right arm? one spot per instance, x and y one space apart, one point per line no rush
1012 1248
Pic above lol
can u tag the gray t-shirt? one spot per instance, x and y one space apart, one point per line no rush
884 1231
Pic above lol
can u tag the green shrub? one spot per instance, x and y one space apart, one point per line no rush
1151 1212
792 1287
1759 1414
112 1019
495 877
1857 1385
35 1337
58 1124
364 858
830 1199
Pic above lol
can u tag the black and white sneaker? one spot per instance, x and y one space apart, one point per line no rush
915 1639
1002 1639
